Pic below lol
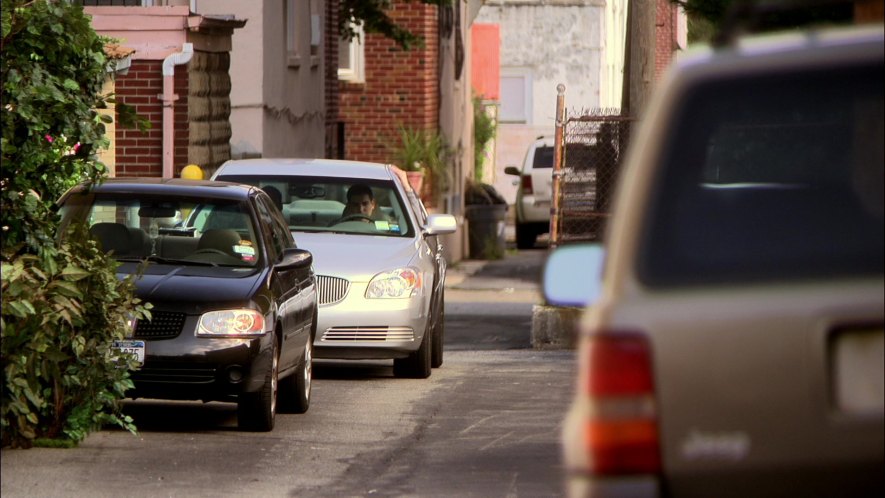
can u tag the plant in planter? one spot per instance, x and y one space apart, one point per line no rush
484 130
423 154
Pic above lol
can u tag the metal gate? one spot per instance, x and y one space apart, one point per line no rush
589 150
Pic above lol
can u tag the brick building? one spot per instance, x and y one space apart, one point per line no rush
178 80
397 87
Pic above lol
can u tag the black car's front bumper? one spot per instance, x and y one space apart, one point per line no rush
199 368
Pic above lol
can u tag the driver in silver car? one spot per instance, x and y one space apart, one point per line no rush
360 201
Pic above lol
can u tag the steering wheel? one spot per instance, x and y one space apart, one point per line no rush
354 217
210 250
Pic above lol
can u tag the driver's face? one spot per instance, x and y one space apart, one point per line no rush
361 204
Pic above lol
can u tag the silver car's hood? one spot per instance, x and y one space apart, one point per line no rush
356 257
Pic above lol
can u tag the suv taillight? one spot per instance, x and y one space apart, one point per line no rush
621 435
527 185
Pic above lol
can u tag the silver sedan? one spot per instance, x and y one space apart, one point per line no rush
378 258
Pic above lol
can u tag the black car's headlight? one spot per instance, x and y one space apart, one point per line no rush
399 283
236 323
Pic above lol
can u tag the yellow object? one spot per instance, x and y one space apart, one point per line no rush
192 172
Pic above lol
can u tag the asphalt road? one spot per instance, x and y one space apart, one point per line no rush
485 424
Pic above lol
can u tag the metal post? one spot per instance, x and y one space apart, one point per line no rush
558 149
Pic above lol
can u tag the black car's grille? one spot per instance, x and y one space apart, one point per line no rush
331 289
175 372
162 325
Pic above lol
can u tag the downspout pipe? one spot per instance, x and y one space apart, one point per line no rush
169 98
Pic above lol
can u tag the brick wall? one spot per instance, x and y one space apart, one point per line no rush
665 35
401 87
141 153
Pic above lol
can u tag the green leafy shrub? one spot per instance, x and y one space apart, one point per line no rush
484 129
59 316
62 303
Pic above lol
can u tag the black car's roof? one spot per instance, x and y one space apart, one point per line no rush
170 187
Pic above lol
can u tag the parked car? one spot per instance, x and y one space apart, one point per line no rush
732 343
534 192
380 279
234 300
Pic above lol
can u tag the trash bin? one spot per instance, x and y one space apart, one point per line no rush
485 227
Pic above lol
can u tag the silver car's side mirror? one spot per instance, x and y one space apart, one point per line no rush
438 224
573 275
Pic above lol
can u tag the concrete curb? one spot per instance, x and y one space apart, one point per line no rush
555 327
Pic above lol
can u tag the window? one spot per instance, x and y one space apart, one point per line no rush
315 30
770 177
351 57
293 59
516 96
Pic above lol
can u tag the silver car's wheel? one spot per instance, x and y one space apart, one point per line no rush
439 332
417 364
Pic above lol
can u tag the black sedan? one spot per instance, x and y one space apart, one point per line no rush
234 300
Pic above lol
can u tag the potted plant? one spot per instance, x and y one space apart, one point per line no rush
422 155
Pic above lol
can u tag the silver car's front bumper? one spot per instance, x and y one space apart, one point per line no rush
359 328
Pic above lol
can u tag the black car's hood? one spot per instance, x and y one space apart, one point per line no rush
173 283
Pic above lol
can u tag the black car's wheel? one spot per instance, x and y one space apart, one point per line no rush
296 387
439 332
525 236
256 411
417 364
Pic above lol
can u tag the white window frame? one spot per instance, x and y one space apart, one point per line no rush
293 58
525 74
355 72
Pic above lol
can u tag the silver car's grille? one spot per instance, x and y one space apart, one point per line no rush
369 334
331 289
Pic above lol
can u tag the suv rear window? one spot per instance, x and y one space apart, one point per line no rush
543 157
774 177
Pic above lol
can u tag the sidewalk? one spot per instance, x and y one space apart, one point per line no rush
516 271
516 278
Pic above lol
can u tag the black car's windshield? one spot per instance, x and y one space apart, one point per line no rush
196 231
342 205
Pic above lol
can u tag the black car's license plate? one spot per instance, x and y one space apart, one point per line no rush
135 348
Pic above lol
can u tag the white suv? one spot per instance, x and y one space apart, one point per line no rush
732 343
533 195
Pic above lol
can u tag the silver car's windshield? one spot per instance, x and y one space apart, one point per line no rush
174 231
340 205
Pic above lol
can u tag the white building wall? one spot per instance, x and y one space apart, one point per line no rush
551 42
615 43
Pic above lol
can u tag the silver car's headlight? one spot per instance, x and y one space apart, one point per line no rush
237 323
399 283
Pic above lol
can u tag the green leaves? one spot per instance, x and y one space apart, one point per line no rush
63 304
373 17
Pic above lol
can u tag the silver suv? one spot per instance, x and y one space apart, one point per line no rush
533 192
732 343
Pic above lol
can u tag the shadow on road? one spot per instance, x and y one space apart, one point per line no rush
181 416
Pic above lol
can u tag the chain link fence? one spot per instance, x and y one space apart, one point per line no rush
592 149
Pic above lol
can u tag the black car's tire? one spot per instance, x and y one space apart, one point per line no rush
439 332
525 236
295 389
256 411
417 364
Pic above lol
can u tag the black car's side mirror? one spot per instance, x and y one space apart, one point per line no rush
293 258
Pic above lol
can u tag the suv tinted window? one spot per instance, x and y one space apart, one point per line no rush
543 157
771 178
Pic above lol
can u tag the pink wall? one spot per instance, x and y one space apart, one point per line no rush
486 60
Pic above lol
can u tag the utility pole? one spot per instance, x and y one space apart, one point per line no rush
639 63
